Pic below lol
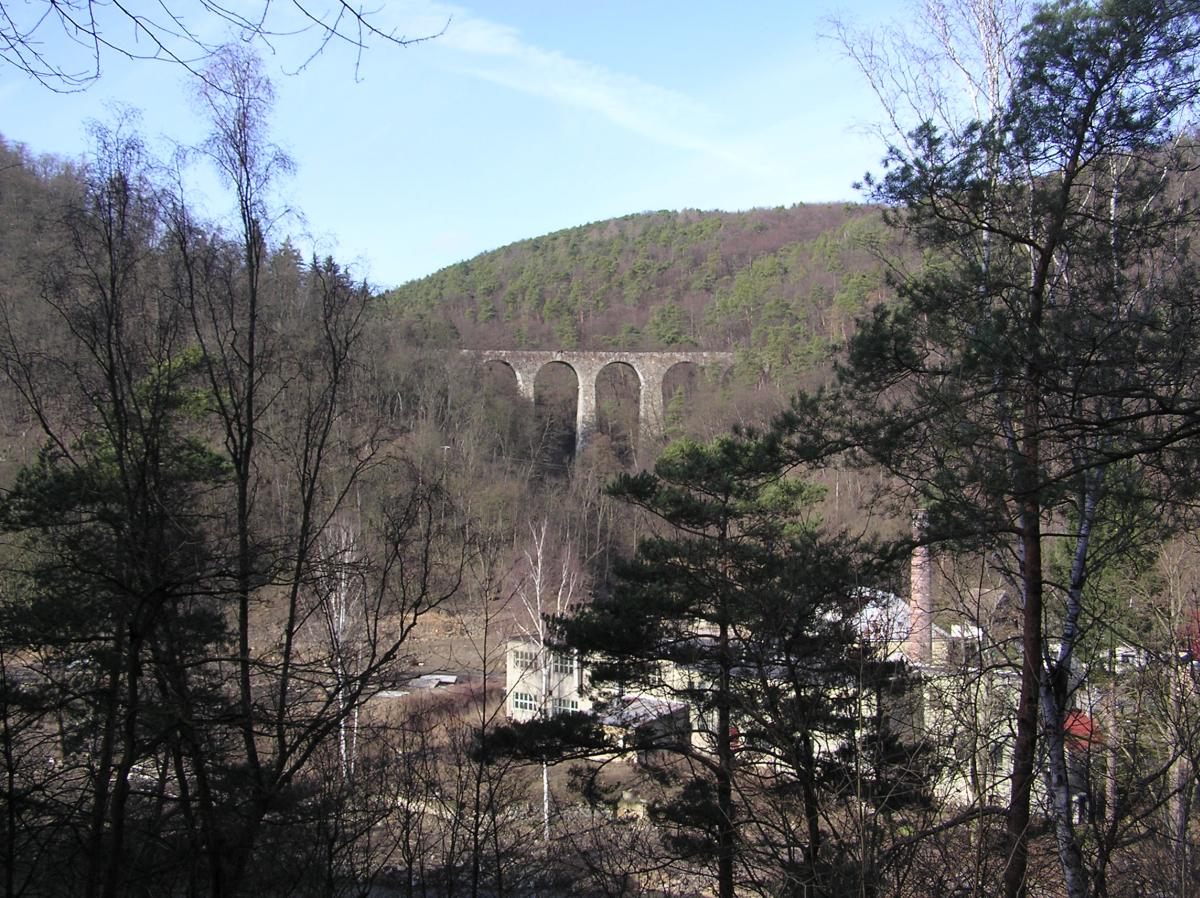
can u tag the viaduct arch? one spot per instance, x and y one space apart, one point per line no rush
651 369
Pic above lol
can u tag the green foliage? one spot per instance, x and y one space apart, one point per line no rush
1018 388
856 290
756 280
674 412
669 325
743 607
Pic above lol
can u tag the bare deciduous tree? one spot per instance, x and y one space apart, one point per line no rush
66 44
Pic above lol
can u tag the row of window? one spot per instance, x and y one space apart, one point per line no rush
527 659
523 701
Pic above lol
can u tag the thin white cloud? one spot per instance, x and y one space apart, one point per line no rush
497 53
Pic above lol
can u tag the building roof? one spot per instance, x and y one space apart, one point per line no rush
884 618
1081 731
636 710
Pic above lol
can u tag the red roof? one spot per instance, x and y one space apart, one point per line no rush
1081 731
1189 635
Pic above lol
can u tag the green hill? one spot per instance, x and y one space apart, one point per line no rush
776 285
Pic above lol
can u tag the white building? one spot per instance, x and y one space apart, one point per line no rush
541 682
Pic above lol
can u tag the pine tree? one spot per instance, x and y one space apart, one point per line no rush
1037 373
741 609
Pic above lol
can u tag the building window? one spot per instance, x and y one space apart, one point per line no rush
565 705
564 664
523 701
525 659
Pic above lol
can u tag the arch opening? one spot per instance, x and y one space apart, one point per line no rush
618 408
555 407
696 401
498 378
683 386
488 409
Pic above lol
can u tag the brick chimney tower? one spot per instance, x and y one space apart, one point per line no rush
918 648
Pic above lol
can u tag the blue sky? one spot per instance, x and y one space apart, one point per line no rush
524 117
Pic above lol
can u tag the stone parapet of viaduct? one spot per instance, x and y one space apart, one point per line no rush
650 367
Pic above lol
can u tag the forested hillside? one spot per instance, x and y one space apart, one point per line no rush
298 600
778 286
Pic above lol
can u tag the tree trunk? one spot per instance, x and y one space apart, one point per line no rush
1181 780
115 852
812 817
726 832
1058 785
1025 749
100 792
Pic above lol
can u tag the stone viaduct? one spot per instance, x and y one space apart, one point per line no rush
650 367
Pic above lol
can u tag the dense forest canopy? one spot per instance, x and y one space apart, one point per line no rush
779 286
